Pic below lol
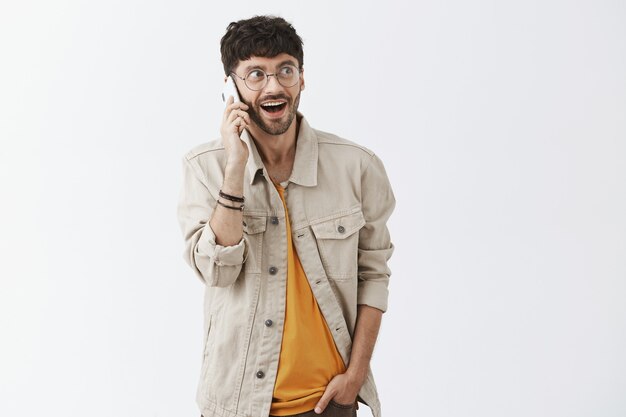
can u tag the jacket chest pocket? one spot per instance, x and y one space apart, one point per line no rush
338 243
253 231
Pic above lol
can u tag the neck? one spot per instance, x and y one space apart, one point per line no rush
276 149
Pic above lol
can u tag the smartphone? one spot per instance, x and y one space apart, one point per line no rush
230 89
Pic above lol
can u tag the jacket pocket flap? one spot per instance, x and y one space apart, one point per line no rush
254 224
339 227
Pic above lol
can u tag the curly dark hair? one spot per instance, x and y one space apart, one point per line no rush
265 36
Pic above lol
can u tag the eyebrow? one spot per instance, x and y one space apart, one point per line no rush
286 61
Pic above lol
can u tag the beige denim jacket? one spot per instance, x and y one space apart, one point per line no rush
339 200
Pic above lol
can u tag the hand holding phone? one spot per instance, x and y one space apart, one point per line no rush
234 123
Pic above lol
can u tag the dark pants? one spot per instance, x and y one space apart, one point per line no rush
333 409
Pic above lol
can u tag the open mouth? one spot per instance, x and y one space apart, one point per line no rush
274 107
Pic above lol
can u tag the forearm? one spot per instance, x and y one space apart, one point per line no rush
365 335
227 224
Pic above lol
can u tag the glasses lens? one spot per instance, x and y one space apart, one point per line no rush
288 76
256 79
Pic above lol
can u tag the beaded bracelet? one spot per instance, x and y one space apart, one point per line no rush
231 197
240 208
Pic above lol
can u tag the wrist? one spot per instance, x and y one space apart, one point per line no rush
356 375
233 179
235 164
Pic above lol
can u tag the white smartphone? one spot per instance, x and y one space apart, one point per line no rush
230 89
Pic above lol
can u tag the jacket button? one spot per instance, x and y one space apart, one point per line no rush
273 270
274 220
341 229
260 374
268 322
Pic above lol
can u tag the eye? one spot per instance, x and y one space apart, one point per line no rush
287 70
255 75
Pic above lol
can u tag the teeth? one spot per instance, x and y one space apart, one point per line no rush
273 103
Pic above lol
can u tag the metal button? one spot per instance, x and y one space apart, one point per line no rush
273 270
260 374
268 322
274 220
341 229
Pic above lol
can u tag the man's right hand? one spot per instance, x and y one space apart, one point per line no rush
226 223
234 121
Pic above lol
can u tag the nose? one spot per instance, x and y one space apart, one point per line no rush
272 83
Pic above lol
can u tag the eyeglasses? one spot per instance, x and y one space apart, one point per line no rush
256 79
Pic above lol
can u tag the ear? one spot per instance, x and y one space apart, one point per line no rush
302 79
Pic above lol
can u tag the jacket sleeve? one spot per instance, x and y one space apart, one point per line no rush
375 246
214 264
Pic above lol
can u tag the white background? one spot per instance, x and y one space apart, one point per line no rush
503 129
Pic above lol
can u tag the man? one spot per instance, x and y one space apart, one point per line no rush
287 229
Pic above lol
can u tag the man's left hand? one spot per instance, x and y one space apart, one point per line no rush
342 389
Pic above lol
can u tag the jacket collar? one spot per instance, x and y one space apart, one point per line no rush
304 170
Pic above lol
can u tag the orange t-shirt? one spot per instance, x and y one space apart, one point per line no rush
308 356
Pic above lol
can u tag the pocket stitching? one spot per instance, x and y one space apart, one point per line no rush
328 228
206 355
324 235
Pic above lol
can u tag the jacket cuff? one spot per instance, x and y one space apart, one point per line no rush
373 293
222 255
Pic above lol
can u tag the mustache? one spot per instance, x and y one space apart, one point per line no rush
275 97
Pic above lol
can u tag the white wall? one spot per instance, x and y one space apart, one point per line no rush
503 129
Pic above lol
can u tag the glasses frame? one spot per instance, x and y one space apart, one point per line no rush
267 77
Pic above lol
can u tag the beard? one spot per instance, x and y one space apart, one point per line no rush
275 127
